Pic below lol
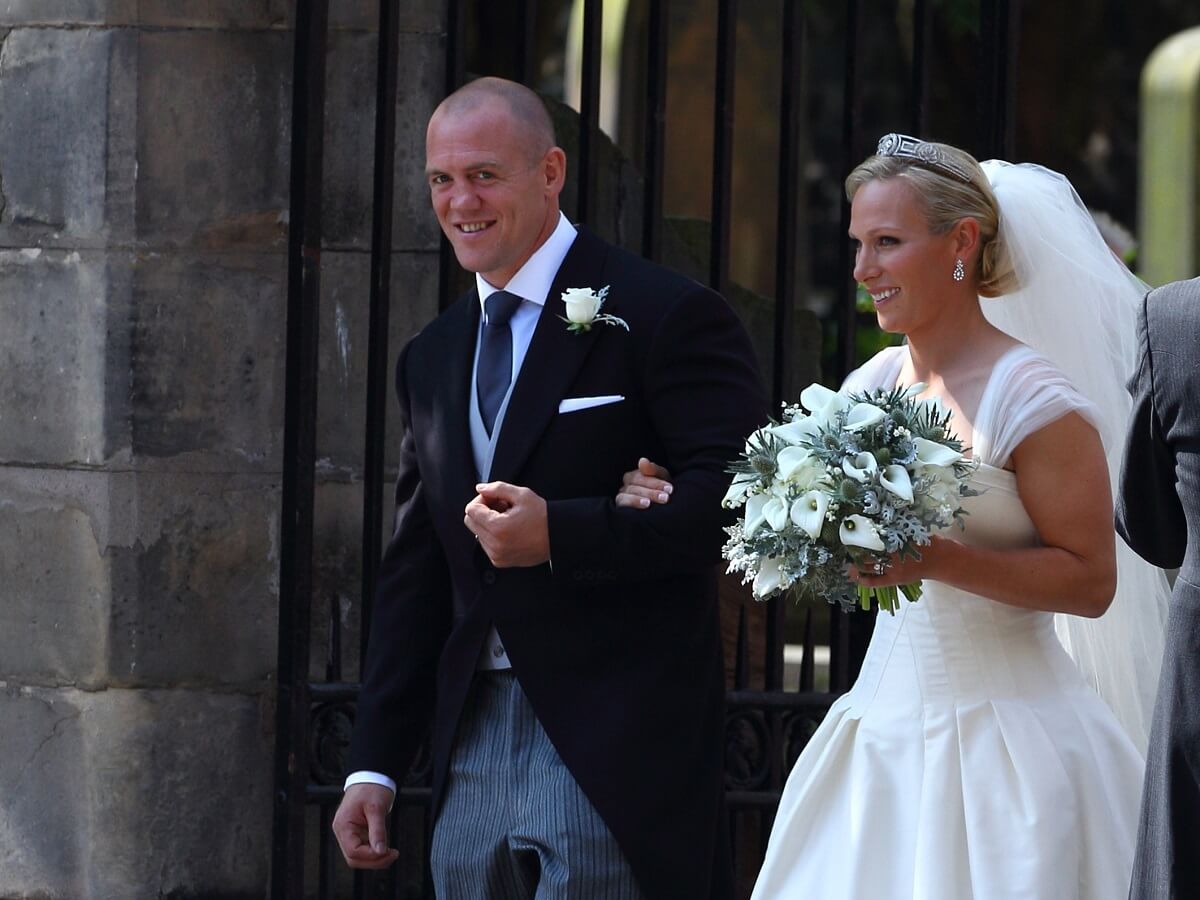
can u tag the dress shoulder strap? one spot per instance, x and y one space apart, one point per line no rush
1024 393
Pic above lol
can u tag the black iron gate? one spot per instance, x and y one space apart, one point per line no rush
832 102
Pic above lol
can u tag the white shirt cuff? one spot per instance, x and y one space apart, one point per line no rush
365 777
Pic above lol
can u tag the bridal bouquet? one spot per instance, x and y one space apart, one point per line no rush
844 480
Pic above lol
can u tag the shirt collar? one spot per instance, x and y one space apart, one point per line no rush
533 280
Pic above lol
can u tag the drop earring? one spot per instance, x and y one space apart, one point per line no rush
960 271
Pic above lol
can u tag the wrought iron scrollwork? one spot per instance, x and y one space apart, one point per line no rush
330 727
765 732
747 750
797 729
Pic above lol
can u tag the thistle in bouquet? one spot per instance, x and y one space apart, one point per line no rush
844 481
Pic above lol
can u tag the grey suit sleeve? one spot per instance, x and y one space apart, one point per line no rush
1149 514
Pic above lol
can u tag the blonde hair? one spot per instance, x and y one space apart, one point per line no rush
946 200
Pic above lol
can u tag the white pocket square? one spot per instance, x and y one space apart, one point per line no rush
574 404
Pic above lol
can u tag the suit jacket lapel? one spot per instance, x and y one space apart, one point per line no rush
555 355
452 395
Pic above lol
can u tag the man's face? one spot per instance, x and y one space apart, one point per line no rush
495 198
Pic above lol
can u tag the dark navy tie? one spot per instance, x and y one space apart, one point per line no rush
495 355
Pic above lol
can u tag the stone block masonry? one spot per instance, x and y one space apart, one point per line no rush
144 172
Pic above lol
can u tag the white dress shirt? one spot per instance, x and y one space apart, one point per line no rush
532 284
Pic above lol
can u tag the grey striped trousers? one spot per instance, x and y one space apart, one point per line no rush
513 823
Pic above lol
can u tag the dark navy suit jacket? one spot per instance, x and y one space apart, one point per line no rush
617 644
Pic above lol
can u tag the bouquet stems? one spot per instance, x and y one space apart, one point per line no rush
888 597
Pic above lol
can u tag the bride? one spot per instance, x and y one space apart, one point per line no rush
975 758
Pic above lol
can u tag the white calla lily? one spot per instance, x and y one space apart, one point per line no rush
913 389
813 474
790 460
799 429
769 578
816 397
864 415
738 488
775 511
823 403
860 467
808 512
895 479
754 513
930 453
859 531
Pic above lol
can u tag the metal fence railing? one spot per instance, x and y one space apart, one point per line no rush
767 725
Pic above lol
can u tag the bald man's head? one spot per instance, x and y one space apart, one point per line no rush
526 109
494 175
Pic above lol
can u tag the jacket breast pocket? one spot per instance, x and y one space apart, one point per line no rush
579 404
597 431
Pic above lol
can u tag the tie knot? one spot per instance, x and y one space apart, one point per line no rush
500 307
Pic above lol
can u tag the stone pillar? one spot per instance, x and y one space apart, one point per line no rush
1169 217
144 159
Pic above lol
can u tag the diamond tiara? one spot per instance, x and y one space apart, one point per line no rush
913 148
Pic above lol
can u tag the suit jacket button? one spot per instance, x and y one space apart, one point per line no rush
489 577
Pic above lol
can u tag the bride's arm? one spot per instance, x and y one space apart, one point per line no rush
1063 483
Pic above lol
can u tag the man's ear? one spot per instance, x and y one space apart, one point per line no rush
554 170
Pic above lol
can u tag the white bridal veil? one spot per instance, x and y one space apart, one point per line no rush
1077 305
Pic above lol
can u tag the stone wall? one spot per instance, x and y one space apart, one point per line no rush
144 158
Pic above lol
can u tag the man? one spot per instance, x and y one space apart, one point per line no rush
566 649
1158 506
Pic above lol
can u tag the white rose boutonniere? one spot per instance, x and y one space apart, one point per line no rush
583 309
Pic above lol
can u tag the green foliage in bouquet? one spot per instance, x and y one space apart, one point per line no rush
844 481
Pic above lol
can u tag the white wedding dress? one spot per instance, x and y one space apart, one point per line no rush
971 760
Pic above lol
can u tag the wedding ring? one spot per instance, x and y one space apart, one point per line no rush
879 567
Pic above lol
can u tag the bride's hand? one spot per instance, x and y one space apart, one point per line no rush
899 571
646 484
